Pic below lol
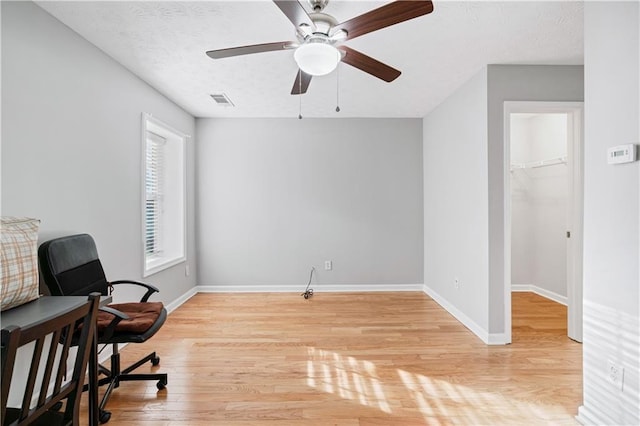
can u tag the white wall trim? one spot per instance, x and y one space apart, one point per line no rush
499 339
486 337
540 292
317 288
589 417
610 336
181 299
104 356
517 288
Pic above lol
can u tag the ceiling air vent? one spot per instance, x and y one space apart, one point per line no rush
222 99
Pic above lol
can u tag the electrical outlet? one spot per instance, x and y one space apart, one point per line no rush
328 265
615 374
456 283
187 271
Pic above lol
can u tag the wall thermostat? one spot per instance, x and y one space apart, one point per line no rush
621 154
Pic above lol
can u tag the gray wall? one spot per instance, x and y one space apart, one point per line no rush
612 212
455 204
278 196
71 153
464 188
515 83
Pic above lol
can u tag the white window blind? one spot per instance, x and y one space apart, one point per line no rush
154 193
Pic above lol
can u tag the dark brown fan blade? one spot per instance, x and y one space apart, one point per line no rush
295 12
300 87
254 48
385 16
368 64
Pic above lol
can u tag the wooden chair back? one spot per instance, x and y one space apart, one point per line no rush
45 386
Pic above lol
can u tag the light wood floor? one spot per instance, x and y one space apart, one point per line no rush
352 359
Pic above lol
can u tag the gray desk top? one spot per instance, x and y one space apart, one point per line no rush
43 309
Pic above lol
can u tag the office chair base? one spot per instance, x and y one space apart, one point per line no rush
115 376
104 416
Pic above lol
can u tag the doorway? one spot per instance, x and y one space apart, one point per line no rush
543 205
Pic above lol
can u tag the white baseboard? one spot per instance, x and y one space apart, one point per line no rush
540 292
170 307
521 287
588 417
484 335
104 356
498 339
317 288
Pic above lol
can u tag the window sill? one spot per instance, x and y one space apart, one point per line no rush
160 264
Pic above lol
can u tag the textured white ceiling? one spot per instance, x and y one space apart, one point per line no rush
164 43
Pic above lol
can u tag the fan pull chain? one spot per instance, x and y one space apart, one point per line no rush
300 94
338 88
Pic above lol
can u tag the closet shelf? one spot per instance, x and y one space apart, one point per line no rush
537 164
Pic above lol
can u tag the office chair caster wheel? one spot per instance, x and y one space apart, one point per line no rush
306 295
104 416
155 361
161 385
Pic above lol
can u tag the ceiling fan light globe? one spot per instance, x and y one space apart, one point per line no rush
317 58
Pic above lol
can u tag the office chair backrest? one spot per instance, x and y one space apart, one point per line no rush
70 266
51 339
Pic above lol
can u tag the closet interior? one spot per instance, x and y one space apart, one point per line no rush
539 203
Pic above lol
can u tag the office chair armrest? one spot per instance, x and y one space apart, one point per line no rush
117 317
150 288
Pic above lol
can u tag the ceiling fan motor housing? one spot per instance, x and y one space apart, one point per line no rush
323 24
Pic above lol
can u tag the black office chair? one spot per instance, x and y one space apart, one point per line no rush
70 266
39 380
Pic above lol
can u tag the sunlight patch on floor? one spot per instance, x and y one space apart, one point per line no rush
347 377
436 398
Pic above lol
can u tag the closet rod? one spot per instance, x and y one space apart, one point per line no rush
538 164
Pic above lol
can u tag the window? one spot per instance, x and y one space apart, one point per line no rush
163 211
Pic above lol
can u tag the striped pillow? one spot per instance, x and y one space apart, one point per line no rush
19 258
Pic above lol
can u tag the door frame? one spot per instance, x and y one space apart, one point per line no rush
575 144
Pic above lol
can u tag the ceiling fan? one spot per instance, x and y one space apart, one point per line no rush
318 48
